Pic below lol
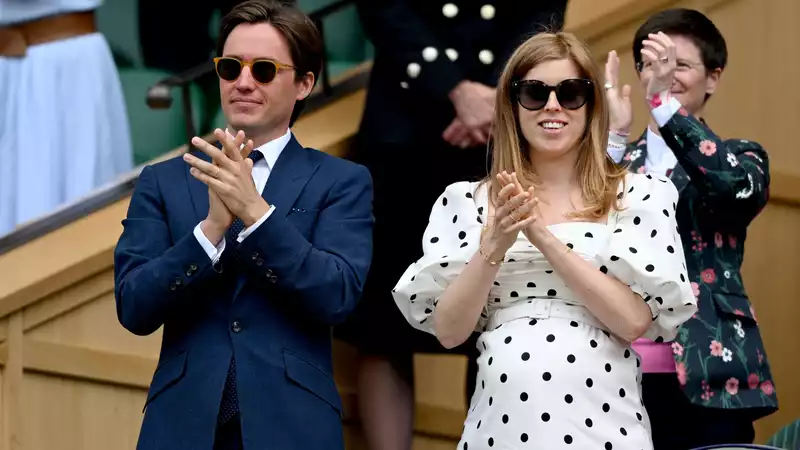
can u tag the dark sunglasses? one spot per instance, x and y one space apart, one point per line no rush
263 70
572 93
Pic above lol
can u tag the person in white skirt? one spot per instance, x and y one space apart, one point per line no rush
63 124
560 259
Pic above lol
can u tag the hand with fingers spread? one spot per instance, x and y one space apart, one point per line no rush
660 57
230 182
619 98
512 214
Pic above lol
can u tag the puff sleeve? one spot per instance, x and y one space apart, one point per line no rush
450 240
645 252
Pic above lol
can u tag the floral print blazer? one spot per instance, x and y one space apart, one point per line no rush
723 185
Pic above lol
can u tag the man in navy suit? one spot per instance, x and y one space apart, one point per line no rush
246 255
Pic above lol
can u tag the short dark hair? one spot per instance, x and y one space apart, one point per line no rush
692 25
302 35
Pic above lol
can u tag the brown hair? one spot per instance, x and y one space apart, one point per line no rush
600 176
300 32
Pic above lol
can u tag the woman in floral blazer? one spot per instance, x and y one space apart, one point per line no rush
710 384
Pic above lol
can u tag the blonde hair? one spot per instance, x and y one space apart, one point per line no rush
600 176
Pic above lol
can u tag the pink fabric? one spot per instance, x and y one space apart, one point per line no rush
656 357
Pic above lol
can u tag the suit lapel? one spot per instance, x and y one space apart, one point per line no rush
197 189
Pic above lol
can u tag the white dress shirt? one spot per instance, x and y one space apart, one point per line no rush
660 158
261 171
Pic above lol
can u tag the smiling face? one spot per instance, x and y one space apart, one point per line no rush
553 130
692 82
261 109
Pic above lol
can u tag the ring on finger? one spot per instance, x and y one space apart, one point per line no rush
664 59
216 174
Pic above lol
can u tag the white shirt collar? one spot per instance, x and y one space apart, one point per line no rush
272 149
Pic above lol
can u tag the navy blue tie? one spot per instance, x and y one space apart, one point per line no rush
229 407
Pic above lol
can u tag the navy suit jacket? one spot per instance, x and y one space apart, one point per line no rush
301 271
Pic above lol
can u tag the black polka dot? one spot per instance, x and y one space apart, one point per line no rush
614 258
627 353
531 284
505 418
490 360
491 400
469 194
606 407
573 324
428 310
604 269
463 244
660 300
666 213
568 398
589 382
548 271
455 218
444 264
444 201
609 446
633 250
569 244
618 230
480 210
608 367
670 249
545 417
479 425
589 423
621 392
479 219
491 442
551 292
588 235
533 322
523 396
466 446
546 376
514 294
526 356
550 338
507 340
413 297
462 234
637 220
503 378
593 343
524 437
649 268
568 439
630 190
623 431
639 416
570 359
653 233
683 278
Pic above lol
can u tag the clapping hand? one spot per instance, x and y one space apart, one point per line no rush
535 229
229 178
512 214
619 100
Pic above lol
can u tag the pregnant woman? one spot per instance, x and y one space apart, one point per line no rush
560 259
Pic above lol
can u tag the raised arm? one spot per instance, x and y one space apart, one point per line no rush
153 274
325 276
732 176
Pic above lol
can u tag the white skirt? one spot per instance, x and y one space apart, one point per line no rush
63 127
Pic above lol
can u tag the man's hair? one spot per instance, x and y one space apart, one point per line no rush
300 32
692 25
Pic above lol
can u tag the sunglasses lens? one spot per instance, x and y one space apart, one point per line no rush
533 95
572 94
264 71
229 69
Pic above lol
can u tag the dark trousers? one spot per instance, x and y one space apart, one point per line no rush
229 435
681 425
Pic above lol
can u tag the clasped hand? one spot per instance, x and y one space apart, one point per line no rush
231 190
474 107
516 209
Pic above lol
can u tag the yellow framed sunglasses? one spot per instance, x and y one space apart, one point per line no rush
263 70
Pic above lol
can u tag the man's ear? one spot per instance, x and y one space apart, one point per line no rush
304 86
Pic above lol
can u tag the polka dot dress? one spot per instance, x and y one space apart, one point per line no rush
551 375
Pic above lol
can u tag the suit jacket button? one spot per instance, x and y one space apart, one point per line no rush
255 256
259 262
172 286
236 326
271 277
177 282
